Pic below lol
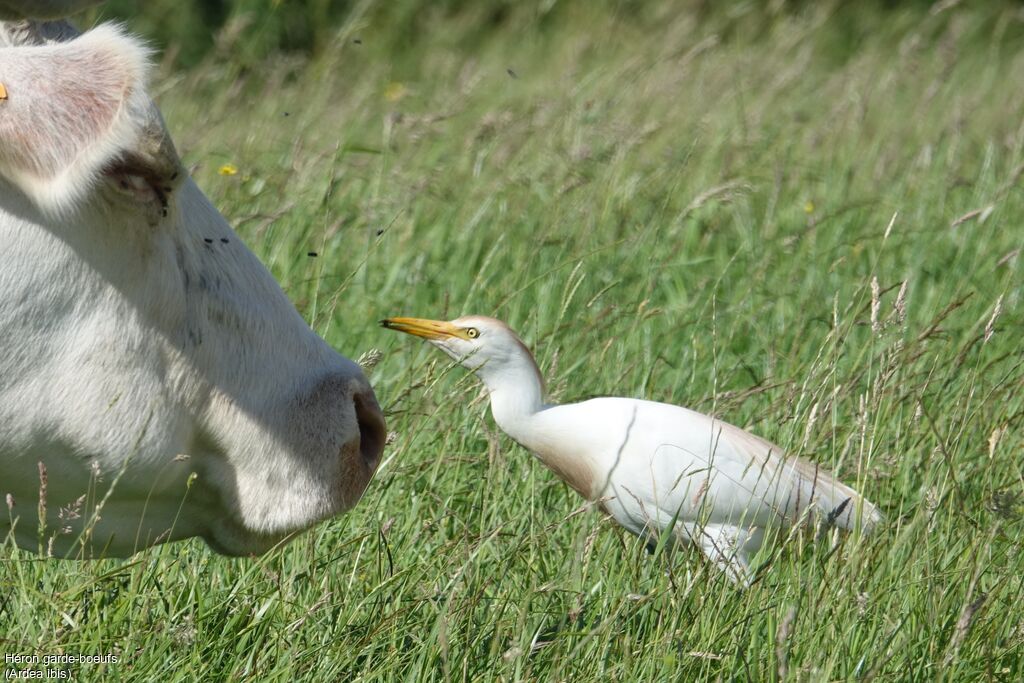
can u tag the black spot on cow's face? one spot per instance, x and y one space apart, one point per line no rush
179 258
209 282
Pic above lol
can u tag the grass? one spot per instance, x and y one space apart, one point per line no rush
806 221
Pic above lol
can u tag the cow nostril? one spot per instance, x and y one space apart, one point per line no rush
372 429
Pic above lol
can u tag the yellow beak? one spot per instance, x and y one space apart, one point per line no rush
428 329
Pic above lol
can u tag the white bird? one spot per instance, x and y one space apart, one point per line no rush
654 467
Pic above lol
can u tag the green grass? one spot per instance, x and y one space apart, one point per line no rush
687 207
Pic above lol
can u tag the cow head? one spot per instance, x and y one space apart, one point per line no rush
147 359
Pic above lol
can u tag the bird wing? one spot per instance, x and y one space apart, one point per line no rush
752 481
662 462
803 484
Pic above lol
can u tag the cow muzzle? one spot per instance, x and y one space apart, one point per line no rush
372 428
361 453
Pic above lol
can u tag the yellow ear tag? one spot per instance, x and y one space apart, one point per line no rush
3 92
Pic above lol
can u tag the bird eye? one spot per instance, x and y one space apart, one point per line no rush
472 333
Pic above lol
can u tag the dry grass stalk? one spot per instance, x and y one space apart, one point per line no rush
963 627
990 327
876 305
782 636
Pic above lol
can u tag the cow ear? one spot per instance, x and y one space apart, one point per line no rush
76 113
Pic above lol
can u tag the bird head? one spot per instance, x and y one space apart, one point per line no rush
483 345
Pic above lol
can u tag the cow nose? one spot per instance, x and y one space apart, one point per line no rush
372 428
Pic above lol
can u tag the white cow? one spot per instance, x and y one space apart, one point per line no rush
155 381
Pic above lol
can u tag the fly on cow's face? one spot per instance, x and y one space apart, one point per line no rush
224 240
208 240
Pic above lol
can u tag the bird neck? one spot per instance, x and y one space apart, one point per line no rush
517 403
517 394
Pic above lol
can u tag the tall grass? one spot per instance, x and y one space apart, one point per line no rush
806 221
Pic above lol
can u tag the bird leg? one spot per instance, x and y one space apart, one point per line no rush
729 548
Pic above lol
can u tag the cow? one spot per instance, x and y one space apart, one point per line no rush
156 384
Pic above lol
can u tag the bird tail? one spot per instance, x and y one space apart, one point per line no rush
833 501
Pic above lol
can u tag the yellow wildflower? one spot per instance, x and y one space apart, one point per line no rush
228 169
395 92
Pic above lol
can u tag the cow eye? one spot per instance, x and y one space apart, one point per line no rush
472 333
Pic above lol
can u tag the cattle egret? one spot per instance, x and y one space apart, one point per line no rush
654 467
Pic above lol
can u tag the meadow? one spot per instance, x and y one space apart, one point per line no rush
807 220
